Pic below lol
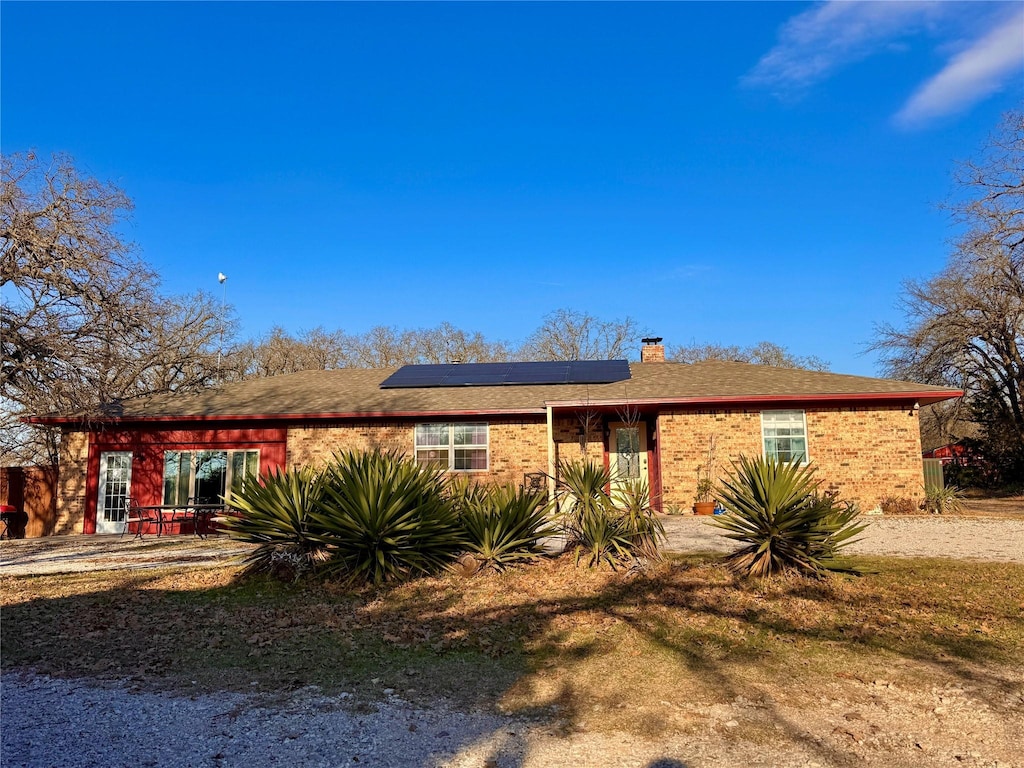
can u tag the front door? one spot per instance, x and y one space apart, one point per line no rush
115 488
627 453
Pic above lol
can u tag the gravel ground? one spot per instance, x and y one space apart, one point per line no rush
54 723
961 537
78 725
977 538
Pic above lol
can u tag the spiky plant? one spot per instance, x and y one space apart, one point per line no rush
275 513
504 525
647 533
772 507
581 492
385 518
606 530
945 500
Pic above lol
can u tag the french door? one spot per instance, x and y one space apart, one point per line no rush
115 489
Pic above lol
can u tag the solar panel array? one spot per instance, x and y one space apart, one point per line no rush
505 374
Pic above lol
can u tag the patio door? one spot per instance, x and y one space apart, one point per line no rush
627 453
115 488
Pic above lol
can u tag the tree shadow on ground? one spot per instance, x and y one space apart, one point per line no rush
550 644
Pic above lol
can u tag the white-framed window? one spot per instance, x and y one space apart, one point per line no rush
785 435
206 476
460 447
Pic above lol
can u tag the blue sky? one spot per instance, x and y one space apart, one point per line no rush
723 172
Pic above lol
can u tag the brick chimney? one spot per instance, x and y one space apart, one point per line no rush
653 351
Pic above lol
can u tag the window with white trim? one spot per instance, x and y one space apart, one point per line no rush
785 435
459 447
203 477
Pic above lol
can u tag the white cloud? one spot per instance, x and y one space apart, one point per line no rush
815 44
971 75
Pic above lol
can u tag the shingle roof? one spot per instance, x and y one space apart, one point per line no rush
357 392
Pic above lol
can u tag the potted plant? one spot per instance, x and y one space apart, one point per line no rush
703 501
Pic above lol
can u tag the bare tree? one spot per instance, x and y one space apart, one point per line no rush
762 353
82 324
384 347
964 327
277 352
568 334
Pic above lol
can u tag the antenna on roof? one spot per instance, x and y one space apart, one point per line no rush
221 278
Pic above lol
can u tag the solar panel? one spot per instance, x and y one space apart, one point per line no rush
505 374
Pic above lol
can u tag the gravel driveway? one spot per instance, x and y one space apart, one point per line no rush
976 538
960 537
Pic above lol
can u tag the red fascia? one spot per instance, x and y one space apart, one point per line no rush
279 417
924 398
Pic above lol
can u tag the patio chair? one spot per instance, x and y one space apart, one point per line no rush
202 519
140 516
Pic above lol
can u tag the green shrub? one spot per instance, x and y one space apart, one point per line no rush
772 507
504 524
385 518
275 514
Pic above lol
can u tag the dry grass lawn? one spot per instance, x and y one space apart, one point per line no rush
573 647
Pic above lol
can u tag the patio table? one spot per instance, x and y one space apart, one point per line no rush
199 514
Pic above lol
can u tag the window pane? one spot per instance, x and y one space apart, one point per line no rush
627 451
431 457
785 435
252 463
470 434
211 474
177 477
431 434
470 458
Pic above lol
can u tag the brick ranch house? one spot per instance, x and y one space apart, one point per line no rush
656 420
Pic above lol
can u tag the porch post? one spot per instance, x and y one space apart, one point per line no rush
551 455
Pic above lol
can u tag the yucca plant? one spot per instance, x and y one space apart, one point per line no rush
384 518
945 500
772 507
504 525
275 514
633 502
599 528
581 492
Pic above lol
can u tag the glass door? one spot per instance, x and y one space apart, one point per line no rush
627 453
115 490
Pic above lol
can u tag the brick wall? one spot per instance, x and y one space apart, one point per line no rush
864 453
71 482
570 443
516 446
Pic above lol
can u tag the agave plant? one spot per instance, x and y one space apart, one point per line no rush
384 518
772 507
504 525
275 514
